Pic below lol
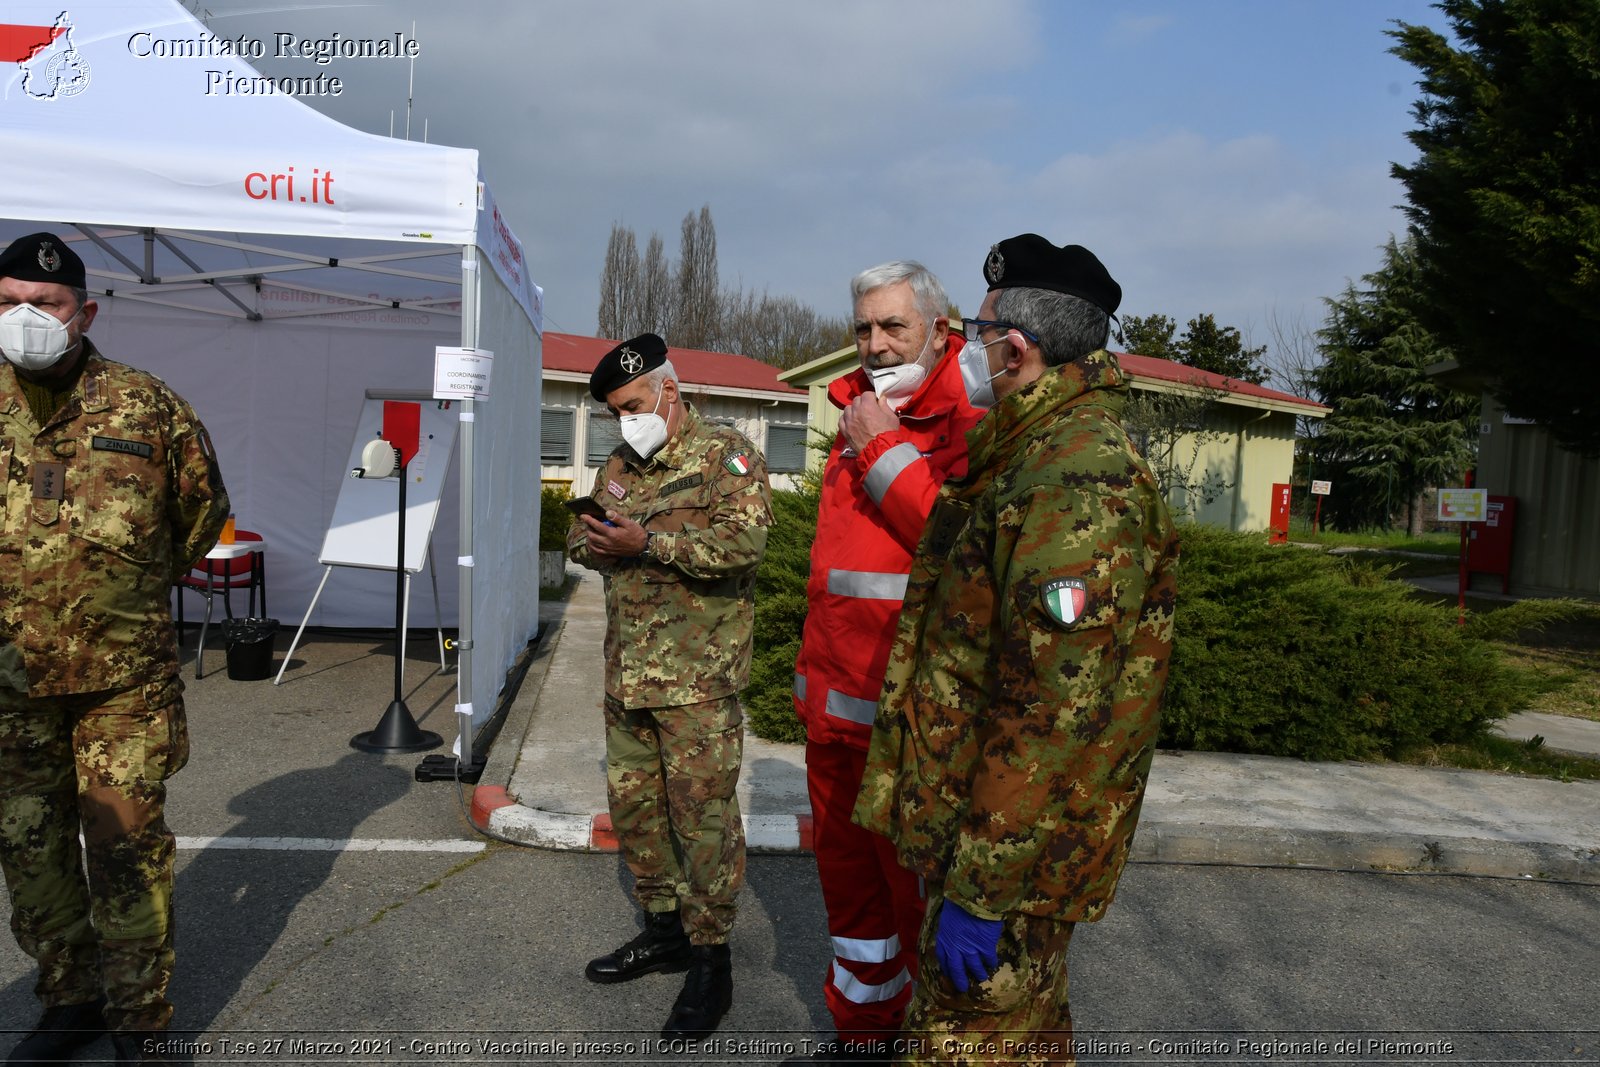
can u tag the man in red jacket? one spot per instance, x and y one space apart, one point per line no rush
901 434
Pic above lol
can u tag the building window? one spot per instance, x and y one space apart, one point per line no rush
786 448
605 434
555 436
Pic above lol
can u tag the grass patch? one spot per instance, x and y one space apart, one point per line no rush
1572 678
1555 643
1565 654
1413 566
1502 755
1446 542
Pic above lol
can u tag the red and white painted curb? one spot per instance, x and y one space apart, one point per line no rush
495 810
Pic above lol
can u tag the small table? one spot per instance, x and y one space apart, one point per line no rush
258 578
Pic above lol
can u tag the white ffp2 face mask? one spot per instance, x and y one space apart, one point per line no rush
975 376
33 340
900 383
897 384
646 434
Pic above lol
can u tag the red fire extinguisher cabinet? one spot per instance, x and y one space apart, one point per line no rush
1489 541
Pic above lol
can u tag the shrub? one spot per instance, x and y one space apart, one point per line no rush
554 518
1278 650
780 616
1288 652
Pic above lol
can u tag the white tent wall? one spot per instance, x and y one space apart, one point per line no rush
99 132
281 401
505 498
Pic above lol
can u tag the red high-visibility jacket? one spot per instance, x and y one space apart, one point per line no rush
872 512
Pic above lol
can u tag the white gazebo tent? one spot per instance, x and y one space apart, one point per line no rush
271 264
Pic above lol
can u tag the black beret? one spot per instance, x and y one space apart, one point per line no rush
42 257
1028 261
626 362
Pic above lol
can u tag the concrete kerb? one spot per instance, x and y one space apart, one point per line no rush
1389 853
493 807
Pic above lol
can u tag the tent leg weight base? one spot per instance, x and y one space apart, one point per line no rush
450 769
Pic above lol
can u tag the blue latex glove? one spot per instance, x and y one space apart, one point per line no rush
966 945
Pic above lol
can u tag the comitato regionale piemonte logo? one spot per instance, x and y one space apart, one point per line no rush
52 67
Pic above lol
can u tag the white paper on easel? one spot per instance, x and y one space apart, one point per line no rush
365 525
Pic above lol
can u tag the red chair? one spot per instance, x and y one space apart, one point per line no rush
211 577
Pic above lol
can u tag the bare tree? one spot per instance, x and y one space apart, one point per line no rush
782 331
683 304
653 311
695 321
619 283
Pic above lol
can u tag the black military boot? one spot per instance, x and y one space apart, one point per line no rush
663 946
60 1030
707 993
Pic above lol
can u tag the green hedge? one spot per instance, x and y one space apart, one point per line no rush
1290 652
554 518
1278 650
780 616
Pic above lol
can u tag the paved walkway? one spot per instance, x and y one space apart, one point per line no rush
544 785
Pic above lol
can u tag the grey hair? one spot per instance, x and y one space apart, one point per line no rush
1067 327
661 374
925 288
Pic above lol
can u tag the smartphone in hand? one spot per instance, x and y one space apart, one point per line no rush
587 505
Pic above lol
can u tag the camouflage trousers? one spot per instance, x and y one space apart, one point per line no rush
94 763
670 777
1018 1016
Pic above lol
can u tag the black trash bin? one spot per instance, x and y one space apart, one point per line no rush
249 644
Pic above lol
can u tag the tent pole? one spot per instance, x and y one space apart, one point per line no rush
469 339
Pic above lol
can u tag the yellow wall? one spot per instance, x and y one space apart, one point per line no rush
1255 449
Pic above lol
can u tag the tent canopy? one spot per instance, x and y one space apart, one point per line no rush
271 263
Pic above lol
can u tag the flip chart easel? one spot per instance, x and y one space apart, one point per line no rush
365 525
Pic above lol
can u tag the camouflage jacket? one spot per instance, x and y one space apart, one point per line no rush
86 567
1019 712
678 621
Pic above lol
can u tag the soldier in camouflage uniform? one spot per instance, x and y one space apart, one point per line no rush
111 493
687 511
1019 713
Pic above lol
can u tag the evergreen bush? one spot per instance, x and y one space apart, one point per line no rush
554 518
1288 652
1278 650
780 616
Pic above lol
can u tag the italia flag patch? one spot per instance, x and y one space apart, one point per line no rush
738 463
1064 599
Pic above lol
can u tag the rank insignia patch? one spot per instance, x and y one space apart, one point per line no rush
1064 600
738 463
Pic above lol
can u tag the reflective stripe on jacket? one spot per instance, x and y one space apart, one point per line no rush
871 516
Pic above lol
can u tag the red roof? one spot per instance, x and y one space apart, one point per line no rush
569 352
1166 370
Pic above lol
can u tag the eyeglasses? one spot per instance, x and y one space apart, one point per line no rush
973 328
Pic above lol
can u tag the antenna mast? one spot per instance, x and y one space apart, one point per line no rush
411 80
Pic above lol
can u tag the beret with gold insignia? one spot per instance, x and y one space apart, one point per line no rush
626 362
42 257
1028 261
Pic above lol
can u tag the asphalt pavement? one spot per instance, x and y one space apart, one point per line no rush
544 785
327 898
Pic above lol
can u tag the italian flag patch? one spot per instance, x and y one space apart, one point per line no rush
1064 599
738 463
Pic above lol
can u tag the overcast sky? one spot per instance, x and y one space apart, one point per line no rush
1227 156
